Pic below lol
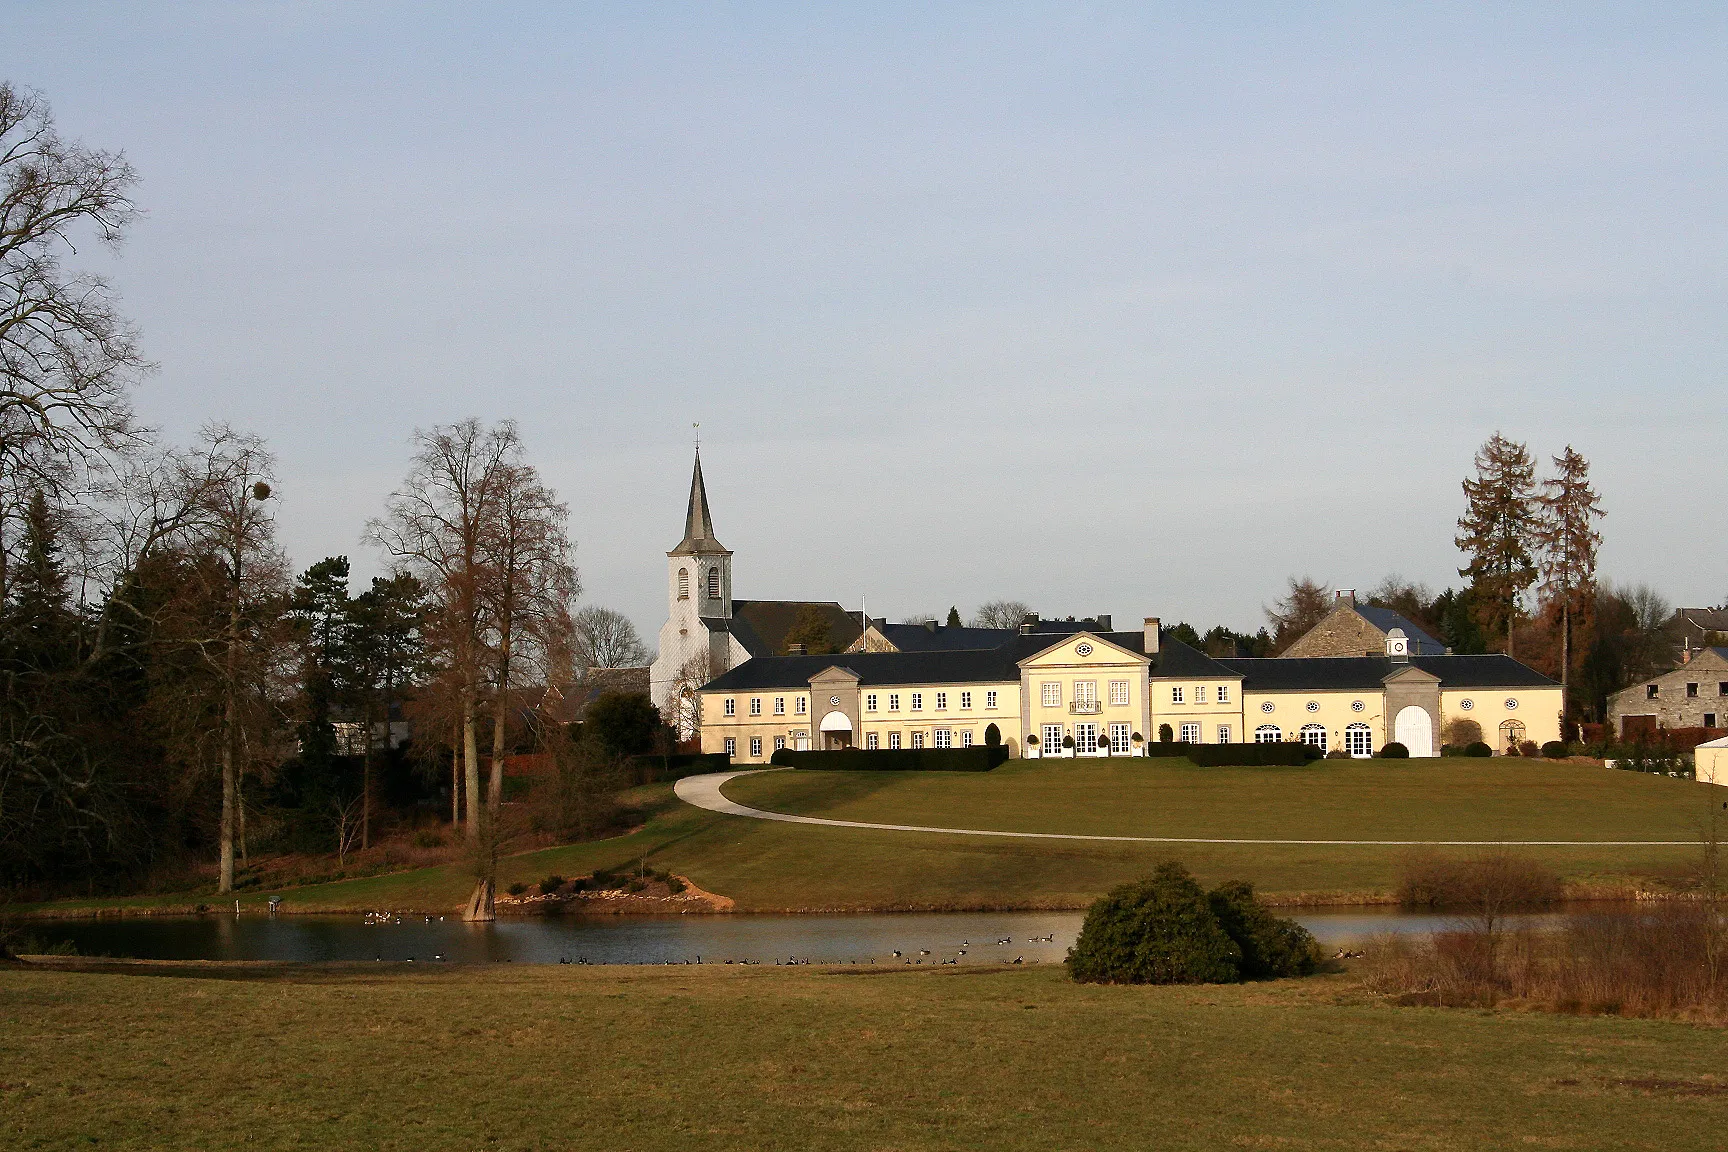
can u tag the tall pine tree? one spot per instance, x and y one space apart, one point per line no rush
1567 534
1497 528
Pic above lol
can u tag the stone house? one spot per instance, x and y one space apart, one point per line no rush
1353 629
1693 695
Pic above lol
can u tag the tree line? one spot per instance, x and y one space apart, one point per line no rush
169 691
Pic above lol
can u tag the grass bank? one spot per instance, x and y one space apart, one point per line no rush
769 866
728 1058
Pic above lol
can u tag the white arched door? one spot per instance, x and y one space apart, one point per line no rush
836 729
1415 730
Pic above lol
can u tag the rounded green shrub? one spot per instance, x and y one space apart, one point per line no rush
1160 930
1478 748
1554 750
1394 751
1271 945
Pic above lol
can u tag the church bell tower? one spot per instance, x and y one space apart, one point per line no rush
698 601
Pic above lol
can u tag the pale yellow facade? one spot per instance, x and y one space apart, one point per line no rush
1298 715
1086 690
1536 710
1196 709
937 715
1085 695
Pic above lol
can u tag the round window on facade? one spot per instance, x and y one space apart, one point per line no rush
1511 703
1266 707
1082 649
833 699
1466 704
1357 705
1313 705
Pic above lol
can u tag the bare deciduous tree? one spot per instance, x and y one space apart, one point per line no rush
1305 603
436 526
529 582
607 639
1000 614
67 359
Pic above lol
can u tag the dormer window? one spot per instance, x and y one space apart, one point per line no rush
683 583
713 583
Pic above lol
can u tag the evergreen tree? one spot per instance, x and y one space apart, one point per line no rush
386 650
1499 521
1569 540
953 618
319 607
41 628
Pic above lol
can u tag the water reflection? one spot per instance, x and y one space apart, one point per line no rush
918 938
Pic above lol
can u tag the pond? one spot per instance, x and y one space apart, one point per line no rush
863 938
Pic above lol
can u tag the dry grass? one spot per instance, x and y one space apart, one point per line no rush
1662 960
517 1058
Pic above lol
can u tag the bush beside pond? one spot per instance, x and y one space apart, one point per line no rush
1166 929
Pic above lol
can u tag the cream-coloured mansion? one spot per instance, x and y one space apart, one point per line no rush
1062 688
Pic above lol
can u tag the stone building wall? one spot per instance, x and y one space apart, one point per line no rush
1342 633
1672 707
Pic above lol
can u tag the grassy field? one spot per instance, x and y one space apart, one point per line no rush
729 1058
774 866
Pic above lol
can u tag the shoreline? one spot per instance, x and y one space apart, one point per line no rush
700 903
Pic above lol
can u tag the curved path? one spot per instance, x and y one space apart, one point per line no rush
704 792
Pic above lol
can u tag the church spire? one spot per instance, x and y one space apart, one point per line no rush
698 524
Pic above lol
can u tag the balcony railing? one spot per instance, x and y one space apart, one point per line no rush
1085 708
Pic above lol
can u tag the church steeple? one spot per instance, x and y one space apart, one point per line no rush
698 524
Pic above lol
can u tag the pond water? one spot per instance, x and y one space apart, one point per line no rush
919 938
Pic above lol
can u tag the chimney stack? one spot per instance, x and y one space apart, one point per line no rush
1103 622
1028 624
794 649
1344 596
930 626
1150 643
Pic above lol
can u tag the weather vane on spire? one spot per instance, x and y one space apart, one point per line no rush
698 426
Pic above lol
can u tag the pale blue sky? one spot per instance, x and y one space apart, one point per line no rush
1109 308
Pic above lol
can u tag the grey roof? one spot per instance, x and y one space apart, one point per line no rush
698 524
1342 673
1385 619
762 626
999 665
922 638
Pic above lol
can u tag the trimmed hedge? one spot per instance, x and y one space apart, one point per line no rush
1394 751
1251 755
1479 748
1554 750
652 769
978 758
1168 748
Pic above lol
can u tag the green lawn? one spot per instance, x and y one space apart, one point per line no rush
764 1058
775 866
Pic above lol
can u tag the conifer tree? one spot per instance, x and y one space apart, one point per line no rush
1498 525
1569 540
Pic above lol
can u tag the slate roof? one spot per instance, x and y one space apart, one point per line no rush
761 625
919 638
1385 619
698 523
1367 673
999 665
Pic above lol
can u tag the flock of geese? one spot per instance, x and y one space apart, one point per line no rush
394 918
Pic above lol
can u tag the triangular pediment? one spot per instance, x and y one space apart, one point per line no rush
1079 649
1409 674
834 674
